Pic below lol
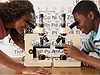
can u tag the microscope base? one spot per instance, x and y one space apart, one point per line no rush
66 63
39 63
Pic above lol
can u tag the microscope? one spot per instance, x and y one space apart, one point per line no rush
63 31
32 57
66 38
41 31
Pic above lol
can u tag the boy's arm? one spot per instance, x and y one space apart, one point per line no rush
92 61
85 52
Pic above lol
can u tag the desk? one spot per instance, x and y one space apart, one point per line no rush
56 71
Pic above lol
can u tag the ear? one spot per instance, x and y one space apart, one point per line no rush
91 15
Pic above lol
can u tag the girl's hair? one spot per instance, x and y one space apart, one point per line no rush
84 7
14 10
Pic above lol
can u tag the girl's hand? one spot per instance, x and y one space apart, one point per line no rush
36 71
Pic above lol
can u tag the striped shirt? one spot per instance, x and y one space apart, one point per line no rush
93 43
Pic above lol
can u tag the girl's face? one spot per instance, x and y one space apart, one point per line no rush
21 24
85 22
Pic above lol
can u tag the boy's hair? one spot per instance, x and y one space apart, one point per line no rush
84 7
14 10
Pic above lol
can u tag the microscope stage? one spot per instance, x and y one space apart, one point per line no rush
41 46
59 47
66 63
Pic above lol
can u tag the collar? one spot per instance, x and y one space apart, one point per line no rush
96 37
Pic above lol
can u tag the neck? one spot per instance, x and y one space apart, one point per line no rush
96 23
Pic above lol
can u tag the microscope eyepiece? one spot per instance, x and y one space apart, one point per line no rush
63 24
74 24
31 24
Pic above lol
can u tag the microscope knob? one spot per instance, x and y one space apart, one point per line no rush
30 51
62 57
41 57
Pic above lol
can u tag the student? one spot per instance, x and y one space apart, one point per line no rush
88 16
13 15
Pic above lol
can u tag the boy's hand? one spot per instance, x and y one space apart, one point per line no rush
73 52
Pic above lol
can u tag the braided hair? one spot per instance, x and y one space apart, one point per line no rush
14 10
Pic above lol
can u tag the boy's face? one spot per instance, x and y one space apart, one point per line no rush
21 24
85 23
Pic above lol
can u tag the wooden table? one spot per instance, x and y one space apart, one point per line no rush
56 71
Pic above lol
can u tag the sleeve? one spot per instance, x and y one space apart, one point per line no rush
89 45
